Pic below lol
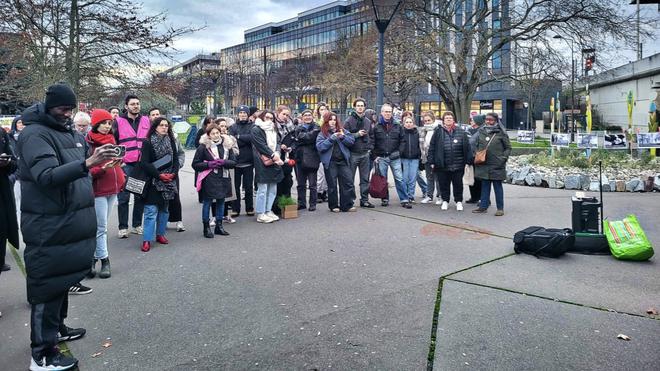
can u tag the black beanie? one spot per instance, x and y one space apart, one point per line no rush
253 109
60 95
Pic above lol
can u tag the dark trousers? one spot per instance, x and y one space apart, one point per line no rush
361 162
175 206
244 176
46 321
475 190
3 250
305 178
122 207
453 179
284 186
339 173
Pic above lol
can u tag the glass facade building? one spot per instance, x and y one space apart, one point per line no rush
316 31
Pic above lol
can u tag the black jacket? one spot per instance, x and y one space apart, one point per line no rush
263 173
386 142
242 131
306 155
151 195
355 123
8 222
58 219
449 151
409 146
215 185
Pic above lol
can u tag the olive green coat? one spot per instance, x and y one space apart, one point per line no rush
496 156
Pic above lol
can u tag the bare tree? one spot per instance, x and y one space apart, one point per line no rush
464 45
296 77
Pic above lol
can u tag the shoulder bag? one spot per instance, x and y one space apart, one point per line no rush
480 156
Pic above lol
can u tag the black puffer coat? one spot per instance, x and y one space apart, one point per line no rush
449 151
306 154
386 142
8 222
215 185
58 219
409 147
355 123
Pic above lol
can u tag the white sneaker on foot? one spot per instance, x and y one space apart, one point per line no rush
180 227
426 200
263 218
212 222
273 216
459 206
228 219
123 233
137 230
438 202
445 205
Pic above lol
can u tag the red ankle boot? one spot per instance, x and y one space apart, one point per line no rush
162 240
146 246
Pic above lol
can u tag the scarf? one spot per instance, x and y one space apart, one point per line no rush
162 147
271 135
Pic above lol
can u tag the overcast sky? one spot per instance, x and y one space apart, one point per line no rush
227 19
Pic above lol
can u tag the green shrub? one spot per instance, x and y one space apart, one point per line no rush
283 201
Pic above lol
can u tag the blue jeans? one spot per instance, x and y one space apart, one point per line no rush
266 193
422 182
219 210
103 205
485 194
383 164
410 171
155 221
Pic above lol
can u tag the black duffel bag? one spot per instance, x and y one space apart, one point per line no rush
539 241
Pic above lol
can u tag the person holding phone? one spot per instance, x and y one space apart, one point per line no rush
107 180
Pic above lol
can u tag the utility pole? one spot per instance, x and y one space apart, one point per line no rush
639 44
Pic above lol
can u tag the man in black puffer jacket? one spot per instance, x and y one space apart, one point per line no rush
58 220
449 152
244 170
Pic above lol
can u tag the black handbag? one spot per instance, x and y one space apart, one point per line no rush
547 242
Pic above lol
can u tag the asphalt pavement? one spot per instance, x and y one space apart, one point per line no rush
386 289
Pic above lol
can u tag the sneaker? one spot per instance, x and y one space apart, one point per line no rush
444 205
229 219
263 218
54 362
249 213
426 200
412 201
70 334
406 205
367 205
438 202
123 233
352 209
459 206
335 210
79 289
384 203
180 227
212 221
162 240
479 210
499 213
137 230
273 216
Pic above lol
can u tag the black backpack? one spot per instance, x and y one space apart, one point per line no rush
539 241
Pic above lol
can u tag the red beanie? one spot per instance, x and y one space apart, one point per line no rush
100 115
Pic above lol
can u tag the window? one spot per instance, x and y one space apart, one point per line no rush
497 60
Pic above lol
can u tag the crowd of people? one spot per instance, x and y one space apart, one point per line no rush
59 173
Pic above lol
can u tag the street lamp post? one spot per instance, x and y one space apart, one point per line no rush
384 11
574 126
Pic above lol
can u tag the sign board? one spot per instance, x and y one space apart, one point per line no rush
561 139
526 136
181 127
5 122
615 141
648 140
587 140
486 104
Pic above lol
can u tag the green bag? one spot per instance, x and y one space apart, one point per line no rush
627 239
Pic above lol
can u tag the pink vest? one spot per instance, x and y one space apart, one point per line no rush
132 141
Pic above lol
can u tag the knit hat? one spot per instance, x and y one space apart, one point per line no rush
100 115
253 109
59 95
243 108
306 111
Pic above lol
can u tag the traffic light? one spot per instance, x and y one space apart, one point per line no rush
589 63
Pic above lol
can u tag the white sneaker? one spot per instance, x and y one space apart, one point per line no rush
228 219
445 205
212 221
123 233
438 202
137 230
459 206
273 216
426 200
180 227
263 218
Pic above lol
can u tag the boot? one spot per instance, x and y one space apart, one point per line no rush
92 272
105 268
208 233
219 230
146 246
